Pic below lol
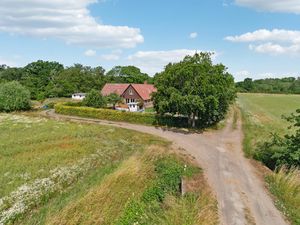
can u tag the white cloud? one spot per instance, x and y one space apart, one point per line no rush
288 6
275 49
69 20
193 35
90 53
267 35
152 62
274 42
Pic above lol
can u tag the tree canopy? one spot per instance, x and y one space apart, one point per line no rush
195 88
14 97
127 74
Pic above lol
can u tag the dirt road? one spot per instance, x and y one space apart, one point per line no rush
241 195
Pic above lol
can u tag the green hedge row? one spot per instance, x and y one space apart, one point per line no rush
114 115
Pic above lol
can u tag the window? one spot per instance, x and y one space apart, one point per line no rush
130 92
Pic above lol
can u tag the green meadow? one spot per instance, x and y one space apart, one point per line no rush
54 172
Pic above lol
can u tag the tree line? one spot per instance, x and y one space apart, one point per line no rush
44 79
287 85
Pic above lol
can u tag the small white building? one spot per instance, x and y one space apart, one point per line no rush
78 96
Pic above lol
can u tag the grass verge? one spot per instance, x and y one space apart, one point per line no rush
285 185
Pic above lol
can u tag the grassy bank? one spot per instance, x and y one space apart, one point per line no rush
262 115
64 173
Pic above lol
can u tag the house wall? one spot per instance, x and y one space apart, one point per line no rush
77 97
130 93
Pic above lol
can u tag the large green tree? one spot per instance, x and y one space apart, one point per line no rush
77 78
127 74
195 88
94 99
14 97
38 75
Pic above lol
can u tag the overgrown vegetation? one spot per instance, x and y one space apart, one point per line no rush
70 173
285 185
287 85
282 151
196 89
14 97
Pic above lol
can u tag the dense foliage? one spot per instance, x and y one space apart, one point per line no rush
50 79
127 74
282 151
195 88
288 85
94 99
13 97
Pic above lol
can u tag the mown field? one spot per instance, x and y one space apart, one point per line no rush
55 172
262 115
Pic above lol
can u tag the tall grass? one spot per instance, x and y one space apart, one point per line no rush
285 185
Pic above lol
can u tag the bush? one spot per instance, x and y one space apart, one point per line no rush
113 115
282 151
94 99
14 97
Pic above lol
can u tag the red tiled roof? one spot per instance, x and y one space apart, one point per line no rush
114 88
144 90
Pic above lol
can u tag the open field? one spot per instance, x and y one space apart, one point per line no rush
68 173
262 115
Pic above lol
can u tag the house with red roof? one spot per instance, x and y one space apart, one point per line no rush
136 96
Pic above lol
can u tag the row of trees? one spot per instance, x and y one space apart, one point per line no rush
288 85
194 88
51 79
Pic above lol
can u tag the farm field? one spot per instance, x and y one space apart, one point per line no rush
54 172
262 115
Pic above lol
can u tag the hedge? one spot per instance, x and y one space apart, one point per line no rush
114 115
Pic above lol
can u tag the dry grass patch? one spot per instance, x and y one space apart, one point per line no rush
104 203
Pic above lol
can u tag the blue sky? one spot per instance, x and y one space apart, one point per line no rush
253 38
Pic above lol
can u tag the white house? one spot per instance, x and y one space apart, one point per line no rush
78 96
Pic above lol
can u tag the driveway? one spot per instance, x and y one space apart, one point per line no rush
242 197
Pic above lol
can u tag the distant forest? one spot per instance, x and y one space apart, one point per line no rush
288 85
51 79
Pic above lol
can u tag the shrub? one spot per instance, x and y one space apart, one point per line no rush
94 99
282 151
14 97
113 115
